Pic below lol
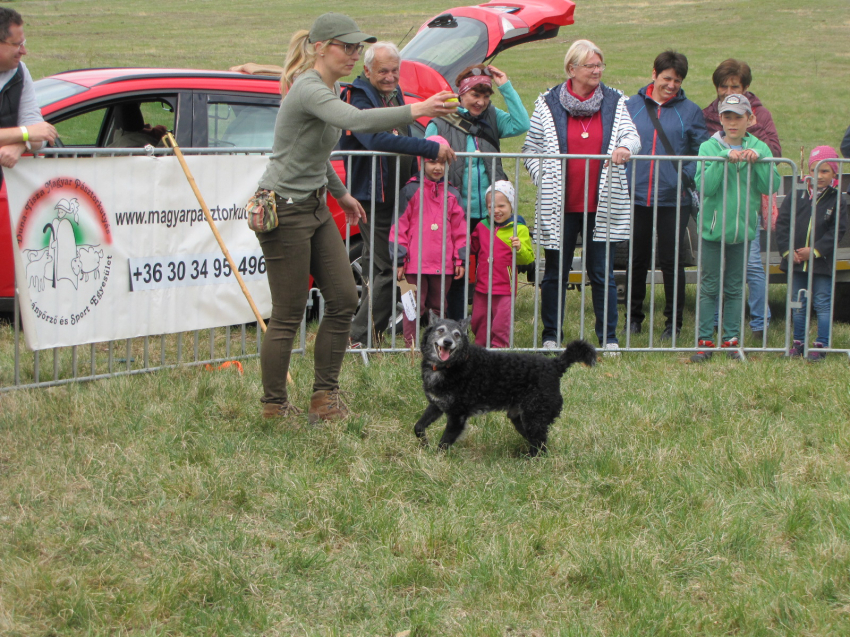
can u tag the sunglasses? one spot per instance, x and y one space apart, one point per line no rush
350 49
481 71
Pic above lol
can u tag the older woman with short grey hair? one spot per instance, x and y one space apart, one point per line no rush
581 116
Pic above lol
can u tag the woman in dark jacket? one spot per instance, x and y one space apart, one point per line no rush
683 125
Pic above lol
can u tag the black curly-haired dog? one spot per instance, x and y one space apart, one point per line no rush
461 380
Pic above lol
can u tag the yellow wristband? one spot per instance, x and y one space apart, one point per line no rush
25 133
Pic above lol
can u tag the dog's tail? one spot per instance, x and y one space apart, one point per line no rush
576 352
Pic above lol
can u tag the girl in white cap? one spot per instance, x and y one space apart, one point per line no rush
495 273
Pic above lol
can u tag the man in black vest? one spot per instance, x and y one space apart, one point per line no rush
21 126
376 88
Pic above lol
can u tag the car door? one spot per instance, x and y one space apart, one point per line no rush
233 120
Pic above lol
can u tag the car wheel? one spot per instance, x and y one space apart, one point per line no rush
355 249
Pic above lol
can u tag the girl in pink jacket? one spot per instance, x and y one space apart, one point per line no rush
438 260
495 254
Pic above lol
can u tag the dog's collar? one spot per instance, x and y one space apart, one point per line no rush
447 365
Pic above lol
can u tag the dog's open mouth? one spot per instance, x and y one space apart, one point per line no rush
443 352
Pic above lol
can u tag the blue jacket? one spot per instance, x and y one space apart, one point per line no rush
684 124
364 96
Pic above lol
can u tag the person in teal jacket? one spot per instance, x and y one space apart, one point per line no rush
727 223
478 126
495 255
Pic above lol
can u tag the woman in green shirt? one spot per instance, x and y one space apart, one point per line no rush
306 241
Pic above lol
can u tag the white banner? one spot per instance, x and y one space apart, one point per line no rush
117 247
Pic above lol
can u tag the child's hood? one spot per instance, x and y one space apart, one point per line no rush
432 188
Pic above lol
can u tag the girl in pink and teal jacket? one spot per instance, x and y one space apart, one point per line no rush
511 237
438 262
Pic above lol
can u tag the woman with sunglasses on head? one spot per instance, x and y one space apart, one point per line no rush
478 126
581 116
306 241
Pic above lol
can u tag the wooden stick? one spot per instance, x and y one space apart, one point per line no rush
170 141
177 152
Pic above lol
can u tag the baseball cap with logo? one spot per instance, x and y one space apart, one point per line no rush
336 26
736 103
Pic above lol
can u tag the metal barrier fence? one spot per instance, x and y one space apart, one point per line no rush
104 360
574 275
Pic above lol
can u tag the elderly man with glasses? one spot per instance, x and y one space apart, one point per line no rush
375 177
22 127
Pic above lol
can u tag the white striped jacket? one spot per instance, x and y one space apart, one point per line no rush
542 139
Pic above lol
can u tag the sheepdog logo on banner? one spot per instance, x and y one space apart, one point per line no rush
65 242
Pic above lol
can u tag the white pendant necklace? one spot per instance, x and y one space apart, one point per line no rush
584 128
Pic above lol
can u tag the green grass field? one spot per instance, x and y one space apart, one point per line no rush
676 499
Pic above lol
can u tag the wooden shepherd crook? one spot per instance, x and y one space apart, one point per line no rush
170 141
177 152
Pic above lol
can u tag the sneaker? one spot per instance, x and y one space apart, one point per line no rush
814 355
352 344
550 345
667 334
611 349
732 343
703 355
281 410
758 335
327 405
796 350
635 328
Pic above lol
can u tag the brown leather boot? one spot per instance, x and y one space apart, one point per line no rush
281 410
327 405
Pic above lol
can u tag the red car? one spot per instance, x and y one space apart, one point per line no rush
213 109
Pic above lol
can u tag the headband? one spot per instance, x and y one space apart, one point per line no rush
467 83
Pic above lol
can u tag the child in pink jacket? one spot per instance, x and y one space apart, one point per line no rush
503 282
439 262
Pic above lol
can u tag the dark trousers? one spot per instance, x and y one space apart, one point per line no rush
306 242
376 302
665 250
601 280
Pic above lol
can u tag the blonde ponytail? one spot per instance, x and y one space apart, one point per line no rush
300 57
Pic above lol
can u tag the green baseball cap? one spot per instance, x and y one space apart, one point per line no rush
336 26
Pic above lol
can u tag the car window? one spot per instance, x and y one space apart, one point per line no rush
50 90
241 125
449 47
81 130
158 113
98 127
